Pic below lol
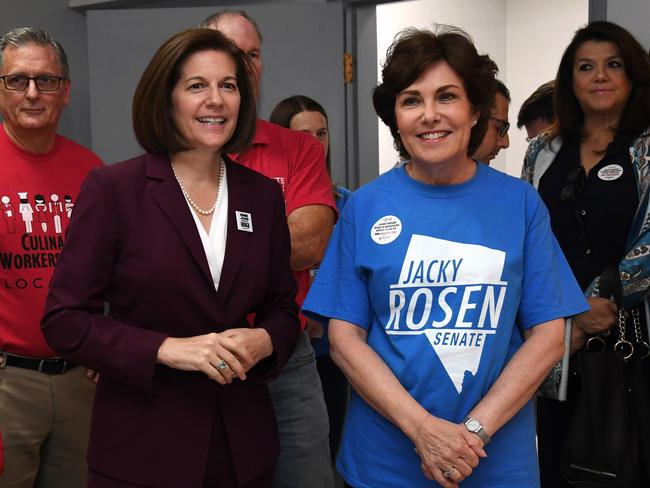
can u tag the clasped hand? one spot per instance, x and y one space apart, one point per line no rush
600 318
445 447
221 356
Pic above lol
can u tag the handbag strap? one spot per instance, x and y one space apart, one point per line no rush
610 285
612 289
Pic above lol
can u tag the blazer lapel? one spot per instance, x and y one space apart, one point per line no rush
236 240
169 197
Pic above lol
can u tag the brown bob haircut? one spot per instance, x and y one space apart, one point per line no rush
636 115
413 51
152 107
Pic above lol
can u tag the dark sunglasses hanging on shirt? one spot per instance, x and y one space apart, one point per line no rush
574 183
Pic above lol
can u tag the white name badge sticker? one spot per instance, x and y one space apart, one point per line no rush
610 172
244 221
386 229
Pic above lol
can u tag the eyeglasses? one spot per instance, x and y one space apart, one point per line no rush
503 126
573 184
44 83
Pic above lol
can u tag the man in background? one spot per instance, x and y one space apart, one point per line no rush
496 136
537 112
46 401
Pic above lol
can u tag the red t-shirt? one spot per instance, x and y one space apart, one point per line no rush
296 161
37 195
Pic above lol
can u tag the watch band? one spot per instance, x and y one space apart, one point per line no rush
474 426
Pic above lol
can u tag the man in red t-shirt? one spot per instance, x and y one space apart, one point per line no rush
46 401
296 161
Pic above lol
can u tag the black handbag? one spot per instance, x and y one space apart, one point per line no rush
608 433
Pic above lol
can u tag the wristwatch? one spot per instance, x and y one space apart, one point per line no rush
475 427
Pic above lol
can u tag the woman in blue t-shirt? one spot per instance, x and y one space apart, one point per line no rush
444 288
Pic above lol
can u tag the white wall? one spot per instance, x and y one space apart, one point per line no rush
537 34
525 38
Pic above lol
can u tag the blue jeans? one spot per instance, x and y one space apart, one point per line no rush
302 422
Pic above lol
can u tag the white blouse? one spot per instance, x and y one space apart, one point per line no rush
214 242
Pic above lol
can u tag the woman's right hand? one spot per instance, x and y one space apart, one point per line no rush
443 445
599 318
203 353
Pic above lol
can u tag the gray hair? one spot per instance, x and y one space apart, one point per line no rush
23 36
213 19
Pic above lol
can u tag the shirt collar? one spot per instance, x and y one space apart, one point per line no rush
262 136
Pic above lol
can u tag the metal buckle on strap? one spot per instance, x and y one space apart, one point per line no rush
61 363
40 365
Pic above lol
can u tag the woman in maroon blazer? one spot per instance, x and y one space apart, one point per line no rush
183 244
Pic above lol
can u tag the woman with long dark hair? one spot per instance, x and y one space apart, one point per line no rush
591 170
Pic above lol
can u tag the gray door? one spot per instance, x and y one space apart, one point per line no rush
302 52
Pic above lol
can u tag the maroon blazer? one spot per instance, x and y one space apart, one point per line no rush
132 242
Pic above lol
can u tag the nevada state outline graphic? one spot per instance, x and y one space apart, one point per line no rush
452 293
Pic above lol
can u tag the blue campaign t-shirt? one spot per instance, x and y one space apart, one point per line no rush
445 279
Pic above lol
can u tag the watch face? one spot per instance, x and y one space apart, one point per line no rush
473 425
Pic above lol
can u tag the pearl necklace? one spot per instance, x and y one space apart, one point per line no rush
200 210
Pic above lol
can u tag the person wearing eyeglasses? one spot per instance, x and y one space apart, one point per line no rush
590 169
45 401
496 135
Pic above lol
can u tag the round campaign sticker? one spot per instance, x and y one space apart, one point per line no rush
386 229
610 172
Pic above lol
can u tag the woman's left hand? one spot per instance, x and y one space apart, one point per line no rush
445 447
601 316
250 346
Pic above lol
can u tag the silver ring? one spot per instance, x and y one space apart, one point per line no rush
447 474
222 365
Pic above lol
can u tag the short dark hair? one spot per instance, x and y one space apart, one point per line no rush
503 89
538 105
286 109
23 36
213 19
636 115
412 52
152 107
